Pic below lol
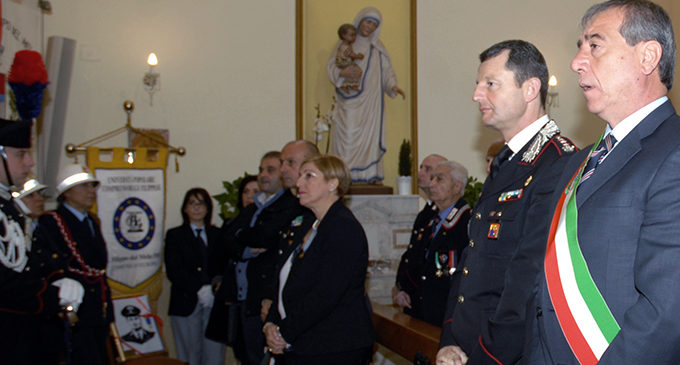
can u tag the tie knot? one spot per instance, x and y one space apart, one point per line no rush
502 156
198 232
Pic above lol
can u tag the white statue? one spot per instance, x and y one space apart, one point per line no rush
359 134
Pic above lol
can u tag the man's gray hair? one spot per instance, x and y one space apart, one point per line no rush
458 172
643 21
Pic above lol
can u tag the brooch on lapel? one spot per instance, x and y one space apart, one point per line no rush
297 222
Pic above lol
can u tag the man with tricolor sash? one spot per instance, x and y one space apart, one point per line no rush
609 291
486 309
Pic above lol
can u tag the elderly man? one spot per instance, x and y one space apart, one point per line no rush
486 311
24 298
434 257
608 293
75 232
406 293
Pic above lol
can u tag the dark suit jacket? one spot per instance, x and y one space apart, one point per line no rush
265 234
628 231
488 299
185 267
326 307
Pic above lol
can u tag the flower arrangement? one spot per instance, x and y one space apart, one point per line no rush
323 124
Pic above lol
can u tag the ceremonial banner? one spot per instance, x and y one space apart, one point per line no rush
131 207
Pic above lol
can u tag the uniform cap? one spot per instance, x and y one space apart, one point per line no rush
72 175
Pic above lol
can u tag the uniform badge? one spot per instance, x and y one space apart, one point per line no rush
493 231
510 195
526 183
297 222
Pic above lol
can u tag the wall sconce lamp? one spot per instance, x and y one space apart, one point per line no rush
553 100
152 81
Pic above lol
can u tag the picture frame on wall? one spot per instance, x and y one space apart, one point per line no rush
317 41
135 329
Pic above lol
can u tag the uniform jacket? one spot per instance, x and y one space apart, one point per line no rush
22 305
450 240
326 307
488 299
186 268
410 266
628 232
96 308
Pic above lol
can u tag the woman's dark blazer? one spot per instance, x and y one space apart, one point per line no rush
185 267
327 310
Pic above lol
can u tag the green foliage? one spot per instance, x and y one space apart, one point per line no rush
472 190
227 201
405 158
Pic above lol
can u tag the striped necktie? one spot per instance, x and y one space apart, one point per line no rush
598 155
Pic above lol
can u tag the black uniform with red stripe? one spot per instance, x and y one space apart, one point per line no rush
410 267
487 303
432 264
22 291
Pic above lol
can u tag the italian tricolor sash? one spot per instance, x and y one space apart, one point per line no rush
585 318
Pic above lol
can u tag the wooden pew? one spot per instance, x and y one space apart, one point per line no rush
404 334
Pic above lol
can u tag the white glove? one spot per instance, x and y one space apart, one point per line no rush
205 296
70 292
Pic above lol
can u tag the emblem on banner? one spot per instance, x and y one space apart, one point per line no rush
134 224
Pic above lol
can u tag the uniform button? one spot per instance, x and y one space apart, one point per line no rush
410 246
492 213
38 251
103 271
465 271
461 299
423 277
199 269
292 234
28 268
472 243
406 261
285 235
443 233
415 232
92 290
478 216
55 256
21 215
280 252
500 214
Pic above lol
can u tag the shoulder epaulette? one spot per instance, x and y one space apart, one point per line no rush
542 137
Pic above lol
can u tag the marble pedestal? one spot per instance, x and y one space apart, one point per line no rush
387 220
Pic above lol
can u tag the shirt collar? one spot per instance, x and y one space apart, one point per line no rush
625 126
525 135
80 215
261 198
195 227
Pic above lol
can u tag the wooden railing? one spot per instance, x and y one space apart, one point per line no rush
404 334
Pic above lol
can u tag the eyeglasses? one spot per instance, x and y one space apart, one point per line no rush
196 204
